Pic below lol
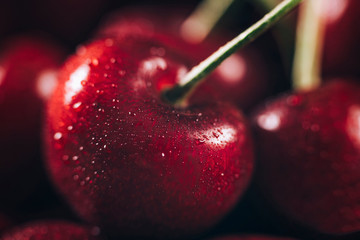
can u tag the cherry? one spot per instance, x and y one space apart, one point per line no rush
252 237
55 230
27 65
309 158
241 79
341 48
127 161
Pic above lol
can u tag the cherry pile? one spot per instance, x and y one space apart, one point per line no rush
92 149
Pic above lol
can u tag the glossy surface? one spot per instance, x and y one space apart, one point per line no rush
240 80
309 156
23 60
342 35
128 162
54 230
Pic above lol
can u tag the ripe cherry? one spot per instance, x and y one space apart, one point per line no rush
27 69
133 164
342 35
309 156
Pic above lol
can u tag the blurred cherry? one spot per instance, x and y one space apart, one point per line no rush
341 47
28 66
309 156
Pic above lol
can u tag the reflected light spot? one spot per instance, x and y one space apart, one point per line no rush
73 85
353 124
46 83
233 69
150 66
269 121
219 137
227 135
332 10
182 71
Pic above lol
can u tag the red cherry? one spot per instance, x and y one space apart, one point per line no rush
54 230
309 156
26 67
251 237
129 162
342 35
241 79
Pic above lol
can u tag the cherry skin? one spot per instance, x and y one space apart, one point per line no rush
132 164
55 230
26 66
251 237
342 35
241 79
309 156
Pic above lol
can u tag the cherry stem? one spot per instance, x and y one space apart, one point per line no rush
308 52
179 94
200 23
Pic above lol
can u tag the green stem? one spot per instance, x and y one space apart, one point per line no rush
180 93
